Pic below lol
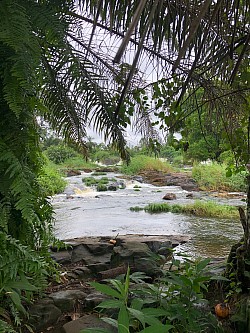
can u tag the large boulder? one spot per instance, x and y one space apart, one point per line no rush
67 300
88 321
138 256
43 315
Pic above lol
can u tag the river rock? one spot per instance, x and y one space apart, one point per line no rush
159 178
113 187
66 300
88 321
43 314
61 257
82 272
99 248
137 255
94 299
169 196
73 172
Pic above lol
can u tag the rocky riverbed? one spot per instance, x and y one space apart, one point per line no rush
67 306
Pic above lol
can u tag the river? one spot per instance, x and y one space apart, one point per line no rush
81 211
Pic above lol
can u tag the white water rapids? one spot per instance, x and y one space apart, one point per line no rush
81 211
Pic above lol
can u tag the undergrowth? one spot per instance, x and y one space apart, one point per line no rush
213 177
174 303
51 180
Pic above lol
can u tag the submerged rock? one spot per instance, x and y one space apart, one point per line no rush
169 196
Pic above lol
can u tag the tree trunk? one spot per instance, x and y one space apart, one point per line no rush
238 263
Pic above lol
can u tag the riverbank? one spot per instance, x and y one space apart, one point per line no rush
67 303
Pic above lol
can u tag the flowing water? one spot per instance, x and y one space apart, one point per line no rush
81 211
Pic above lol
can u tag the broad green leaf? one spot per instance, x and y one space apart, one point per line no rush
110 304
139 315
95 330
123 320
219 278
111 321
107 290
137 303
202 264
157 329
154 312
22 285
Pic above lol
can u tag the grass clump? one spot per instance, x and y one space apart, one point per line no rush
101 188
99 173
89 181
198 208
136 209
210 209
142 162
158 208
213 177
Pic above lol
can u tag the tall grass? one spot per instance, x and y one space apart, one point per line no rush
77 162
198 208
142 162
213 177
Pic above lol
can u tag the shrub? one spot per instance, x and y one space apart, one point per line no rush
213 177
101 188
78 163
59 154
175 303
142 162
51 180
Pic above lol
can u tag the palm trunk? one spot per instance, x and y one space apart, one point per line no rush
238 264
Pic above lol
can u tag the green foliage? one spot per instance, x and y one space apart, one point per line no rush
106 156
170 153
101 188
198 208
136 209
51 181
22 273
60 153
141 162
78 163
99 173
211 209
172 304
89 181
213 177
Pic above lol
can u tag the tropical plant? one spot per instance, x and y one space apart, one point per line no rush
172 304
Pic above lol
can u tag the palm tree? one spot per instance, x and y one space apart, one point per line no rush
203 48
